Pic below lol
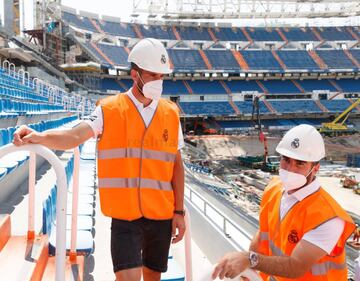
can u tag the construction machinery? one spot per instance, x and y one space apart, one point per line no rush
267 165
338 126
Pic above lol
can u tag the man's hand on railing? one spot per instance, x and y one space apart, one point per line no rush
25 135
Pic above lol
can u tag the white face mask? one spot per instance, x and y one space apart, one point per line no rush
292 180
152 89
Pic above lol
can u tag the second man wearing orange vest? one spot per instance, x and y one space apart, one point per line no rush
140 171
303 230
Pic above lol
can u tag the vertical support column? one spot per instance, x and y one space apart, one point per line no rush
32 174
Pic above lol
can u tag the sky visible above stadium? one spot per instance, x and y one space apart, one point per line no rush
114 8
124 8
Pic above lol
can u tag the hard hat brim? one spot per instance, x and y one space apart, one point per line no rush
295 156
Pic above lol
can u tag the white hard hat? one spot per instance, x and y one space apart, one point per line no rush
303 143
150 54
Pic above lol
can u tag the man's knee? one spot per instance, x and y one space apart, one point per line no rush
132 274
151 275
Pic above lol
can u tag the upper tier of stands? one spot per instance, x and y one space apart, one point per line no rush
209 34
189 60
216 87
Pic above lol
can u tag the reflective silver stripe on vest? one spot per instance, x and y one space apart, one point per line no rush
272 278
316 269
275 250
323 268
134 182
264 235
136 153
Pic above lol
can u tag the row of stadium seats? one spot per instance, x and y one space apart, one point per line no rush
12 87
223 108
206 87
11 161
186 60
208 34
85 244
20 107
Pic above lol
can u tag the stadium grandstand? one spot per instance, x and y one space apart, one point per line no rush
230 81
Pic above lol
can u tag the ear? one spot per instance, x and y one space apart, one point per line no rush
133 75
316 168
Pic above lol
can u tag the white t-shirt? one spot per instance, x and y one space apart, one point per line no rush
95 120
324 236
357 269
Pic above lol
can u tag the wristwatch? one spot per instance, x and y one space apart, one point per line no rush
180 212
254 259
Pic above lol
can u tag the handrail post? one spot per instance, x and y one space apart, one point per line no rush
31 211
60 255
188 253
75 200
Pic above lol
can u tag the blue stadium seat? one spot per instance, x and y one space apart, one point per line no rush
174 88
263 34
336 59
78 22
115 53
229 34
281 87
186 60
349 85
332 33
238 86
297 60
299 34
221 59
218 108
293 106
246 107
336 105
314 84
193 33
157 31
205 87
118 29
261 60
111 84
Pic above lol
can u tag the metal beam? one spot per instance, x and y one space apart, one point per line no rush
244 9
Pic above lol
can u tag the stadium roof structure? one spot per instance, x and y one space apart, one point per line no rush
245 9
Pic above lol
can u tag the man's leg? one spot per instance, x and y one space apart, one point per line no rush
151 275
133 274
157 239
126 245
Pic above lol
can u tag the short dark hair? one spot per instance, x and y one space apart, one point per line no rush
134 66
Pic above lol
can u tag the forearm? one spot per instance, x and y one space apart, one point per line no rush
254 245
60 139
282 266
178 185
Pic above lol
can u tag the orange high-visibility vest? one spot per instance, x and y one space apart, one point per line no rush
280 238
135 163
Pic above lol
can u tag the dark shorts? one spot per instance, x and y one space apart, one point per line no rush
141 242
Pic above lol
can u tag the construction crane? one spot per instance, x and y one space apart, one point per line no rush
267 165
338 126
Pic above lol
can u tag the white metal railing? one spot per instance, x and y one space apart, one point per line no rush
188 254
239 238
55 94
61 201
75 199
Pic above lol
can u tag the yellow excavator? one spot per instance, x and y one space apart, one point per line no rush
338 126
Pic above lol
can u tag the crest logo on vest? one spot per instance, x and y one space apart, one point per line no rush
165 135
293 237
